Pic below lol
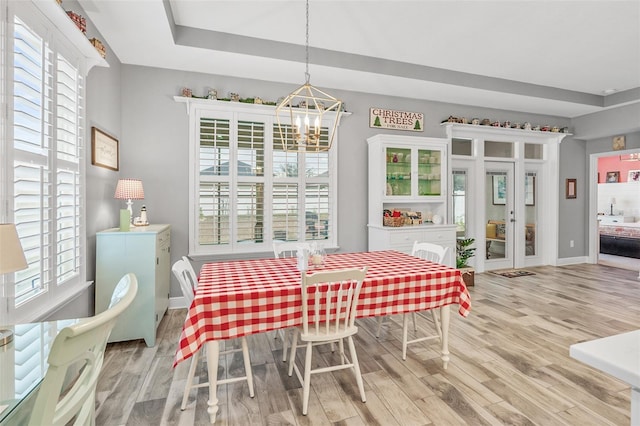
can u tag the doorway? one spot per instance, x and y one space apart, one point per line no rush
613 201
500 215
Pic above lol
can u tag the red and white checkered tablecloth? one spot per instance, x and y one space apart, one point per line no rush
242 297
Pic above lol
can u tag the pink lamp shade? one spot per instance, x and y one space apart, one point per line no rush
129 189
11 255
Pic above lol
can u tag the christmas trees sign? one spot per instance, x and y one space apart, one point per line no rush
397 120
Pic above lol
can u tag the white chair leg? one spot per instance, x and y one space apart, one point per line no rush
306 386
247 365
284 345
190 376
405 330
356 368
341 349
292 351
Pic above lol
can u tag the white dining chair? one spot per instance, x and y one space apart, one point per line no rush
288 248
282 249
78 351
192 272
329 305
434 253
181 271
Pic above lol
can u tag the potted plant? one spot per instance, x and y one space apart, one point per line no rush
463 253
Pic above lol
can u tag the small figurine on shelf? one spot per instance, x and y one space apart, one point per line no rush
142 219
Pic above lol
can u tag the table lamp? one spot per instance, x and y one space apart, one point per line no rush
128 189
613 201
11 259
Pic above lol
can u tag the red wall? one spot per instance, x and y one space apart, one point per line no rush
613 164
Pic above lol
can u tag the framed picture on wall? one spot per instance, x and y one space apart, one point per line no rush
571 189
499 189
634 176
104 150
613 177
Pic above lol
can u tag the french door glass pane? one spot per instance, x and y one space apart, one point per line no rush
459 202
531 213
496 213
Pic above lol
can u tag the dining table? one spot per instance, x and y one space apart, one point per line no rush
242 297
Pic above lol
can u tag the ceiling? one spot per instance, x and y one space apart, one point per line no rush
563 58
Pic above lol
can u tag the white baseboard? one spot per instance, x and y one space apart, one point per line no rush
178 303
572 260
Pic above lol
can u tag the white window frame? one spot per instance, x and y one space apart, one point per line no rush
197 108
50 22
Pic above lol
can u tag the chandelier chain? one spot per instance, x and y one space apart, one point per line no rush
306 73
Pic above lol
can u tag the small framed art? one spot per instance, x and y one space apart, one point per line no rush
634 176
613 177
618 143
104 150
570 191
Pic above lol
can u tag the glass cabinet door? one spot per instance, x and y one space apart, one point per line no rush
398 164
429 172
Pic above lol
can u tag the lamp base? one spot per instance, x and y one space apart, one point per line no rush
6 336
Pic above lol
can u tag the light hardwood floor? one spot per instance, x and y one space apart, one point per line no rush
509 364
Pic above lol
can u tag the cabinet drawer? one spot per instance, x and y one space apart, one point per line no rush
164 238
438 236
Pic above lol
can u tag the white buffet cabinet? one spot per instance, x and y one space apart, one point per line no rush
145 251
409 173
402 238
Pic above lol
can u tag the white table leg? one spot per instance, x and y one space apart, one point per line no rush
213 352
635 406
444 323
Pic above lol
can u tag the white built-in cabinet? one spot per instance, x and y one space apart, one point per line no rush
411 174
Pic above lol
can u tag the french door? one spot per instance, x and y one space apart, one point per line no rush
500 215
511 212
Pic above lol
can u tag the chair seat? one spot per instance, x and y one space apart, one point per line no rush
330 335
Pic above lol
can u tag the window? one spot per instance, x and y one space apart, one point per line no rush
460 201
44 162
247 191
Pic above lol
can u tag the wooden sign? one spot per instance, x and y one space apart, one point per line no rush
396 120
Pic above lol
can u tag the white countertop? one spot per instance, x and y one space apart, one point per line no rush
617 355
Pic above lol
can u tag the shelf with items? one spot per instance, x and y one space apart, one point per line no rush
64 23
